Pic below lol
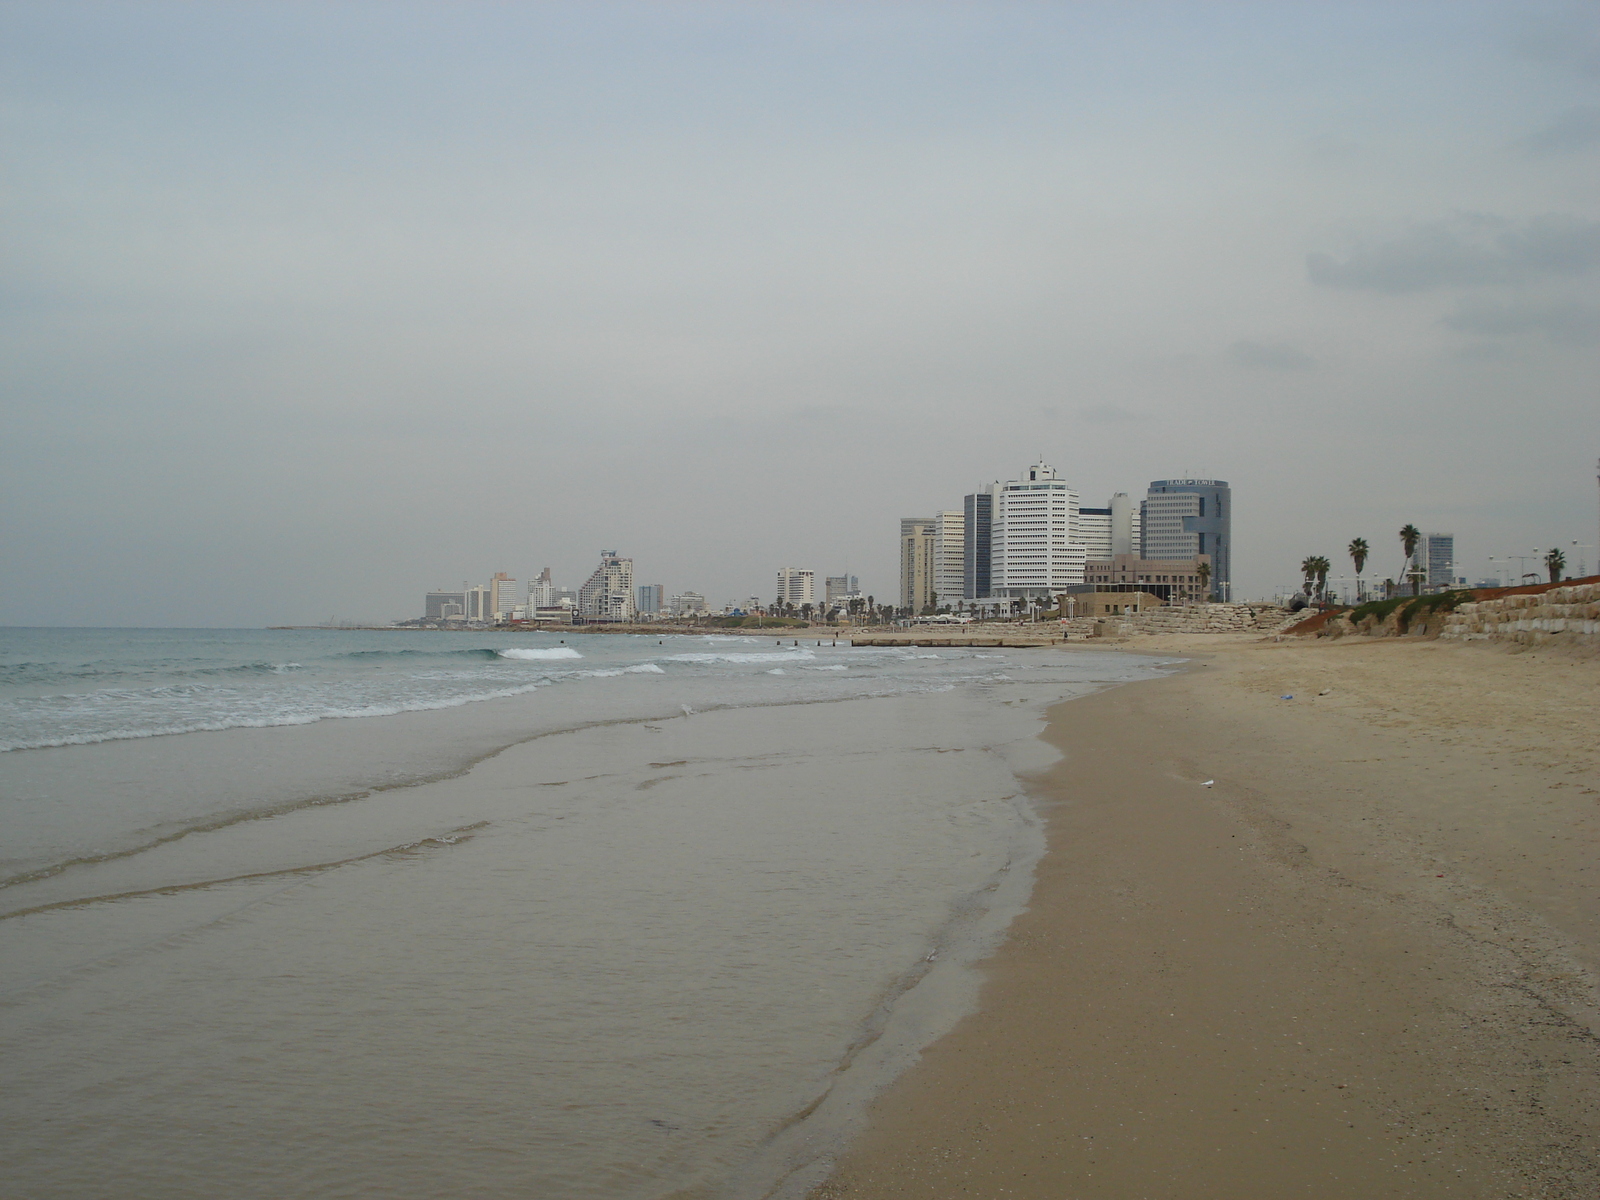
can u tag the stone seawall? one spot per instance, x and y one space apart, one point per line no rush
1562 614
1186 618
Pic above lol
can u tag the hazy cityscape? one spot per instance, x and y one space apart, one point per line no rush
1013 546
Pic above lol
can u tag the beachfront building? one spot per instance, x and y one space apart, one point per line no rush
916 562
608 595
649 599
977 524
840 589
686 604
1176 581
1109 531
475 604
797 586
1034 552
505 597
1185 518
1110 604
1437 555
541 590
437 606
949 548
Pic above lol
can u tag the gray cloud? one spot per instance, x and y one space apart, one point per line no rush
1470 249
1565 322
1574 130
1277 356
1108 414
1569 40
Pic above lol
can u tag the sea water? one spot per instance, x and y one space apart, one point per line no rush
424 914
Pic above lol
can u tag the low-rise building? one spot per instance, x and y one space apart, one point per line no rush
1175 580
1109 604
686 604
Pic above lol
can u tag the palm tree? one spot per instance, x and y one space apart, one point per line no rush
1555 562
1410 535
1323 567
1358 555
1308 568
1204 571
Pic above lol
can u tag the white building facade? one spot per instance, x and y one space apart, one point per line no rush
608 595
797 586
505 596
949 537
1035 550
541 590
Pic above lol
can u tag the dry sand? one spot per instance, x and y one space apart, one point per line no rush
1362 964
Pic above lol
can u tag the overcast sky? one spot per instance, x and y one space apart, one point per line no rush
310 308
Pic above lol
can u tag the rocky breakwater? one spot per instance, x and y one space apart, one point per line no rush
1561 614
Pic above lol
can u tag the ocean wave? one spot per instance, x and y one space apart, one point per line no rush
785 656
636 669
272 719
827 667
486 652
539 655
34 673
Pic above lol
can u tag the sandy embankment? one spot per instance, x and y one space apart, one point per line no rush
1361 965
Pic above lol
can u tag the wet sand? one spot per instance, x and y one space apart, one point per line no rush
1361 964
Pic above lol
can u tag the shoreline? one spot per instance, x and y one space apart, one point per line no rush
1362 963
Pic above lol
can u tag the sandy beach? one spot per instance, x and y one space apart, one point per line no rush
1361 962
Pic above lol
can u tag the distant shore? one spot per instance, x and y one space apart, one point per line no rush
1316 921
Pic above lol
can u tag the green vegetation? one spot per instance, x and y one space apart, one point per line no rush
1555 562
753 622
1412 608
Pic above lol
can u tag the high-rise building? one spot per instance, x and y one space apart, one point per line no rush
949 547
977 521
840 589
1126 527
1094 531
1033 546
1183 518
475 604
1437 554
541 590
434 603
608 595
650 599
797 586
1102 530
505 594
916 562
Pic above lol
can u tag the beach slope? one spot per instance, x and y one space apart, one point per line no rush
1359 963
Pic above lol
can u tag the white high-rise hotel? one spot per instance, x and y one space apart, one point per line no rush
797 586
1034 547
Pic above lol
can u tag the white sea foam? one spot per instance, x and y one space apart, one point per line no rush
827 667
552 652
785 656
